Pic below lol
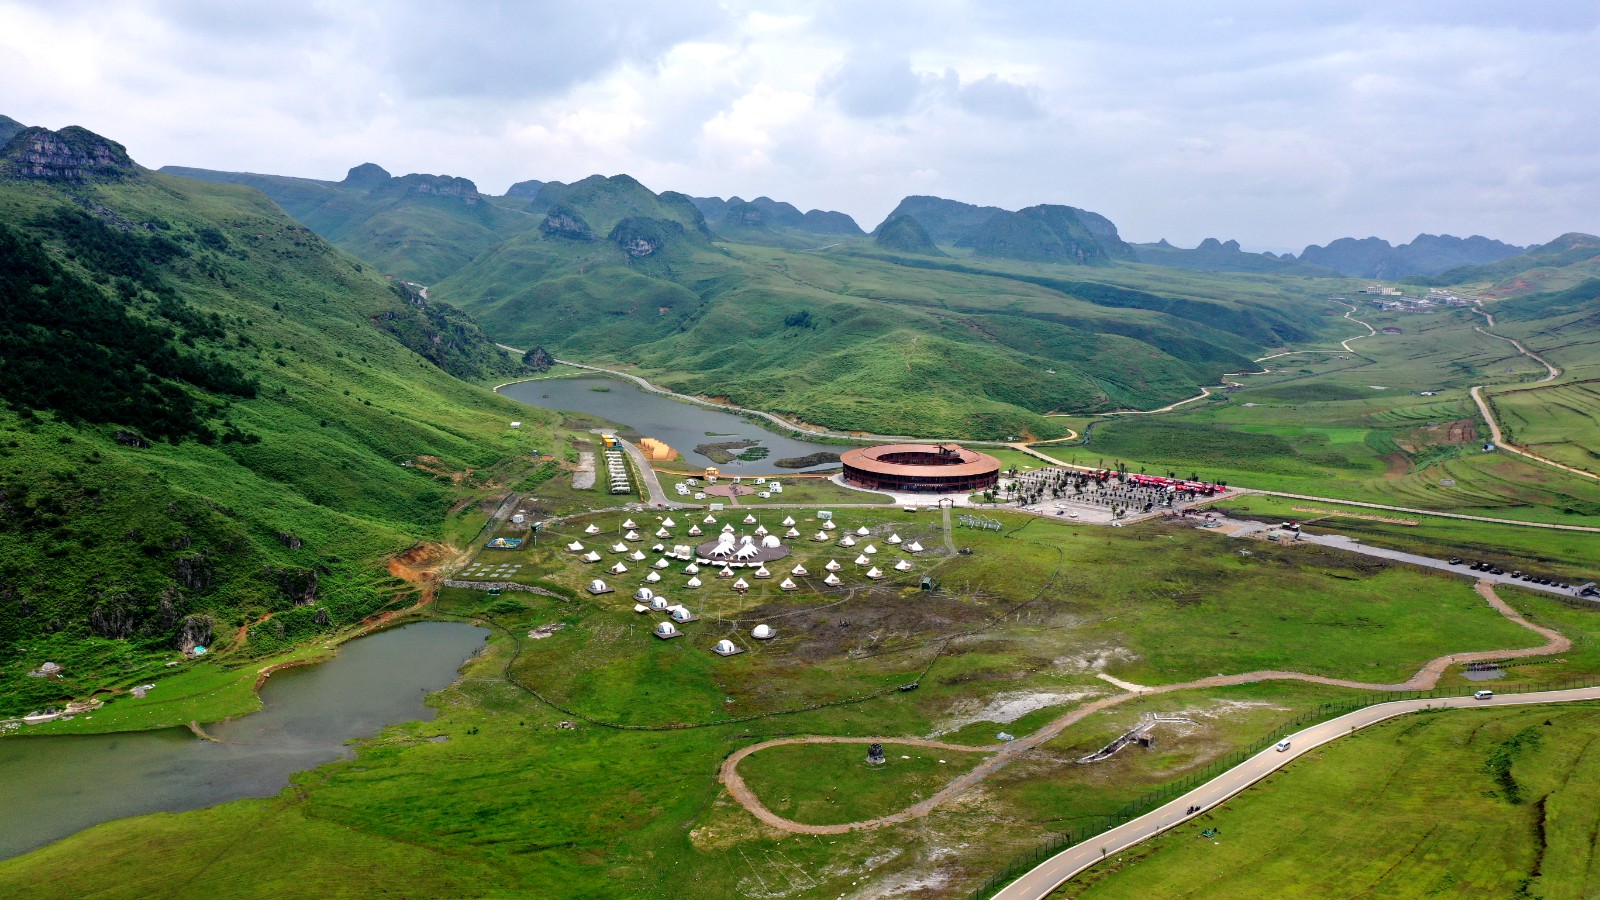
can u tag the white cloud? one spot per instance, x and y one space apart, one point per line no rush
1279 125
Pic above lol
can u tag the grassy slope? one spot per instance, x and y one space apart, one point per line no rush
966 350
340 405
1448 826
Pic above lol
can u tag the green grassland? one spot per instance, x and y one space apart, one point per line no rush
283 499
1561 422
1013 639
788 779
1483 803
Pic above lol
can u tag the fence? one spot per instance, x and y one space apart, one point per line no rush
1154 798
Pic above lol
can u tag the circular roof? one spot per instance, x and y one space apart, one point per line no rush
948 460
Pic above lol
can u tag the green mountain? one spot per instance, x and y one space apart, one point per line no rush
1564 262
211 416
764 220
905 235
416 227
1213 255
1428 254
8 129
1048 233
946 221
855 340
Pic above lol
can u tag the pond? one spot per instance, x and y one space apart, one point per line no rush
55 786
681 426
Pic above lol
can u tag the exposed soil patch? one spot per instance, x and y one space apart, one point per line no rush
871 623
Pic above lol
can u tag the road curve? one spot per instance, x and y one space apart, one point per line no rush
1004 754
1500 441
1040 881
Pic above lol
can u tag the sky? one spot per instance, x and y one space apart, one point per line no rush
1275 124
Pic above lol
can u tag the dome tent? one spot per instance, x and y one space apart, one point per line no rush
599 587
726 647
681 614
659 604
763 632
643 594
667 630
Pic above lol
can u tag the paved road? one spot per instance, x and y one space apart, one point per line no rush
655 496
1053 872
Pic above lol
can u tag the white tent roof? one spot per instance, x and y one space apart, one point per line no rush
903 565
725 573
874 572
831 579
598 586
691 569
631 536
667 522
798 570
680 614
914 547
788 520
762 572
636 555
695 530
575 547
727 529
726 646
741 584
762 632
658 603
660 563
821 536
862 560
792 533
709 519
771 542
629 524
693 582
847 541
749 519
618 569
663 533
833 565
761 529
869 550
787 584
643 594
667 629
658 548
829 525
894 538
619 547
591 556
653 577
592 529
863 531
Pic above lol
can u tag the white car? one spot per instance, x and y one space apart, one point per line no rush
1282 746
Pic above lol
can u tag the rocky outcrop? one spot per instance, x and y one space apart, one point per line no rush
113 617
538 359
194 572
72 155
366 177
290 539
298 586
640 237
564 222
193 631
439 185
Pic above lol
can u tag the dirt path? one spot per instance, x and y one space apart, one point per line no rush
1004 754
1552 372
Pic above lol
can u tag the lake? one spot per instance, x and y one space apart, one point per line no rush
56 786
681 426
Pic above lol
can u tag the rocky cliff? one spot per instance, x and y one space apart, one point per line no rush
72 155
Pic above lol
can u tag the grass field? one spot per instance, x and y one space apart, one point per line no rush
826 784
1476 803
1561 422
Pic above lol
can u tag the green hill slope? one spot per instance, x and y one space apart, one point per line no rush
905 234
416 227
853 340
207 409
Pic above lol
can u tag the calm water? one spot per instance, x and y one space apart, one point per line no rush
681 426
55 786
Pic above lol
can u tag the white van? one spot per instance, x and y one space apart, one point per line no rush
1282 746
1482 695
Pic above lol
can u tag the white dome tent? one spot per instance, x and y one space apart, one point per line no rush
771 542
667 631
643 594
659 604
763 632
599 587
681 614
726 647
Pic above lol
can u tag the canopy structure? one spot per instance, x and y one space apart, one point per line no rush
787 584
599 587
575 547
798 571
833 565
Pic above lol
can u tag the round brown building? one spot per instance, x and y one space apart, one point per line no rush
920 468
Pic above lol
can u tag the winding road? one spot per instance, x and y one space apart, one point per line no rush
1426 678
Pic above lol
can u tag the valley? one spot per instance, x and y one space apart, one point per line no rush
391 413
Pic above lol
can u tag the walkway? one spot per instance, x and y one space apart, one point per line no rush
1053 872
1004 754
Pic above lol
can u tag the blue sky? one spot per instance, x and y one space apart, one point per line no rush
1275 124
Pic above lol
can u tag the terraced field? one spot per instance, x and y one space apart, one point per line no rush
1561 422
